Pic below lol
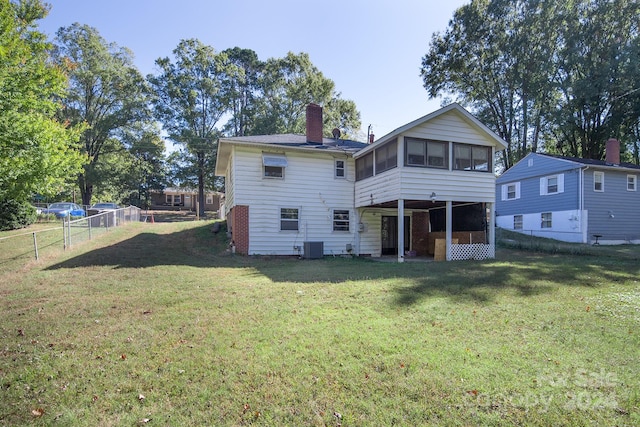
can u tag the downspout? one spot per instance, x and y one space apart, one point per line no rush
583 225
357 212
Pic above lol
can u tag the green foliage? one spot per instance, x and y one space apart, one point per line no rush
38 153
106 92
15 214
554 75
291 83
190 100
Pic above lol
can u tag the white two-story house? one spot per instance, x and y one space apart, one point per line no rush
426 187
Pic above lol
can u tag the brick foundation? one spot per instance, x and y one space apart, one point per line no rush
239 216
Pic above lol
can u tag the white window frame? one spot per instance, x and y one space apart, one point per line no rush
632 183
544 220
209 200
599 180
518 222
177 199
273 165
505 191
338 169
544 184
340 221
288 219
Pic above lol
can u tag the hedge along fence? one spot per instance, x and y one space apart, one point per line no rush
15 249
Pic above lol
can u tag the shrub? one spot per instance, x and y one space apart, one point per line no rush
15 214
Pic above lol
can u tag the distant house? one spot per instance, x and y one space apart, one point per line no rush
572 199
185 198
429 183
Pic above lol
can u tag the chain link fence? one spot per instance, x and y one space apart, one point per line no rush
16 249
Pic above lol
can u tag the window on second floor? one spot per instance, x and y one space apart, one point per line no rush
387 156
598 181
340 169
552 184
511 191
471 157
426 153
364 166
274 165
632 181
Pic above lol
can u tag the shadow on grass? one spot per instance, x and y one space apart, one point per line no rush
524 274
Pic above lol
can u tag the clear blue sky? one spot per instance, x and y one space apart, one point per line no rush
371 49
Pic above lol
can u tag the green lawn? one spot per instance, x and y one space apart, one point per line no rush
157 324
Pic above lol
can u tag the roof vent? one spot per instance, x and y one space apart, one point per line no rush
336 133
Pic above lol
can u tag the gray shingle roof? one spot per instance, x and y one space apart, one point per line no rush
294 140
593 162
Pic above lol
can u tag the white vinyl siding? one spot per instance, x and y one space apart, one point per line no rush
310 186
552 184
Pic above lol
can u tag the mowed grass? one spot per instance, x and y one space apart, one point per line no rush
156 324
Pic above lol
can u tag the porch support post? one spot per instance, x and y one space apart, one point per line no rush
448 226
400 230
492 224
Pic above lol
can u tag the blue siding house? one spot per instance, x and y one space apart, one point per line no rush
571 199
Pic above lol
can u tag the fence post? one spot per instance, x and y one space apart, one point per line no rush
64 235
69 230
35 244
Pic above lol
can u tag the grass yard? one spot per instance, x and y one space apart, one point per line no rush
155 324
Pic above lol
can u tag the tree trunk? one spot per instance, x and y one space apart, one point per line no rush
201 184
86 190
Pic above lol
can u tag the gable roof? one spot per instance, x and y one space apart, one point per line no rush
285 141
454 107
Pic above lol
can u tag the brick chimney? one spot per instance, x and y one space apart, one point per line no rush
371 138
314 123
612 153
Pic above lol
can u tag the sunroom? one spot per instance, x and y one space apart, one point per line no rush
428 189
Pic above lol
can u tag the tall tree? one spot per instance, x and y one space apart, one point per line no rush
241 82
131 166
288 85
598 65
38 154
541 73
190 102
105 91
494 56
